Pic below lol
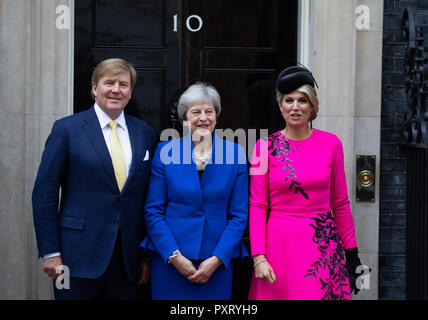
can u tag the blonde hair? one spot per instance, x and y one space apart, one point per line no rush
311 93
113 67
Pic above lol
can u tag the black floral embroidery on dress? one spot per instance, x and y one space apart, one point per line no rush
280 147
332 256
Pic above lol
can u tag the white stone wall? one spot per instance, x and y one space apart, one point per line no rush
368 92
34 91
347 64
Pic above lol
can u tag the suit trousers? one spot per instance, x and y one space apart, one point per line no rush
114 284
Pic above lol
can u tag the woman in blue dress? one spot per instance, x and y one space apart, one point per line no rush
197 205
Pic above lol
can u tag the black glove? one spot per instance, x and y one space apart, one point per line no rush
352 262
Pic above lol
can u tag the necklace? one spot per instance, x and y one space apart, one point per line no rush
202 159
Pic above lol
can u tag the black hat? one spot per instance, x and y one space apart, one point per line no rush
292 78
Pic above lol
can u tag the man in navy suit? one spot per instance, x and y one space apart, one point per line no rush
89 193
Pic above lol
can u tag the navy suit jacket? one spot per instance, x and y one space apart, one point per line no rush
84 223
204 218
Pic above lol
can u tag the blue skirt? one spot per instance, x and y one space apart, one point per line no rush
169 284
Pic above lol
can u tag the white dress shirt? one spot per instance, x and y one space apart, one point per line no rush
123 134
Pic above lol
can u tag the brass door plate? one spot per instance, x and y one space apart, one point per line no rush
366 178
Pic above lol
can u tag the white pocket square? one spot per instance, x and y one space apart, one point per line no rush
146 157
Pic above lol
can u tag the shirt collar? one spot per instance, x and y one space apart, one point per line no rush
104 119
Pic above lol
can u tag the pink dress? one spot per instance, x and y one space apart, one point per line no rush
300 217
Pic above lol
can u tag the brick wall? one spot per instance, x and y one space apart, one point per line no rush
392 224
392 221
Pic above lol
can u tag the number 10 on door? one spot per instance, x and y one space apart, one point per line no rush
198 19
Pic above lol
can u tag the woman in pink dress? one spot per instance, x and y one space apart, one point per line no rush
301 228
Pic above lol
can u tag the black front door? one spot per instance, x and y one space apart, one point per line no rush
238 46
240 50
139 31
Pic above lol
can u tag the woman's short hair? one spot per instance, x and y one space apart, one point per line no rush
198 92
310 92
113 67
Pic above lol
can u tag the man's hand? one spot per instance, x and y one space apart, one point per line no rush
205 270
145 271
51 266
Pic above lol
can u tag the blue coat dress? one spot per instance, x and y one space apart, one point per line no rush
200 218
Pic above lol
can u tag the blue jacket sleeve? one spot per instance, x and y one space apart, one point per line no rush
154 210
45 197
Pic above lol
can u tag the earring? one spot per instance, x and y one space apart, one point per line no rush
310 119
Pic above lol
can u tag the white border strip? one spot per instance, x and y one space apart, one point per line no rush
305 32
70 67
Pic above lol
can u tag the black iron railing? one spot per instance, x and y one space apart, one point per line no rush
415 142
415 127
